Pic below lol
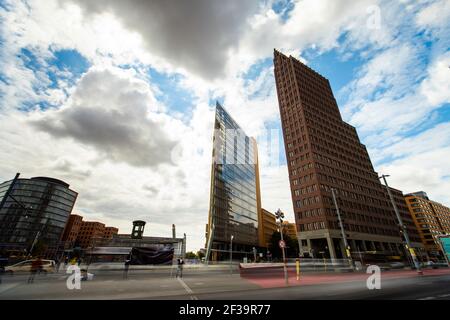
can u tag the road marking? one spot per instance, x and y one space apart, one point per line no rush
7 287
188 290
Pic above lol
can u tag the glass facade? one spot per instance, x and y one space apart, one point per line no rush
234 201
29 206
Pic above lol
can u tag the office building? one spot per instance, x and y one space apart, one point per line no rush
324 152
72 230
432 220
35 211
269 226
235 205
90 232
110 232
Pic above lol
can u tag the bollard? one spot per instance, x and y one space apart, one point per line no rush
297 264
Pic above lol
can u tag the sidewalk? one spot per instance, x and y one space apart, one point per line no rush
273 281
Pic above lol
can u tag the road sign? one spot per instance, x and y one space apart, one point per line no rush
445 244
282 244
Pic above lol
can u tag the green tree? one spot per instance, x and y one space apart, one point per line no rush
292 249
191 255
39 248
200 254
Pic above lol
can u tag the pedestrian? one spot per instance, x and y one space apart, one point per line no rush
2 271
58 265
125 271
180 268
2 266
36 266
66 262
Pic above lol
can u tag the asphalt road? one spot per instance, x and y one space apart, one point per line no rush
219 284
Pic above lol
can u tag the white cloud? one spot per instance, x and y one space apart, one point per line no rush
194 35
274 193
435 15
116 114
427 171
436 87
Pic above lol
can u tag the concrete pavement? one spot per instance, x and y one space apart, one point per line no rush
141 284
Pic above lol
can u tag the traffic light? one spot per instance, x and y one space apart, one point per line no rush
279 215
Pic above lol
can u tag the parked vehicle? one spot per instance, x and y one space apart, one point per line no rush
47 266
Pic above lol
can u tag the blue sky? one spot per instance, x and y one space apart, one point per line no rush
95 94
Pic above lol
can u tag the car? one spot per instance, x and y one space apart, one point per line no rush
48 266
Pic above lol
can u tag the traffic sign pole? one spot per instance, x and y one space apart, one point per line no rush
282 244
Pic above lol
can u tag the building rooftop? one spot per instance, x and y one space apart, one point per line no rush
51 180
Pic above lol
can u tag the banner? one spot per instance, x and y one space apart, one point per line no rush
153 255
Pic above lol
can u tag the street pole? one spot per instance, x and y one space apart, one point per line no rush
231 254
36 238
402 227
286 279
280 216
344 237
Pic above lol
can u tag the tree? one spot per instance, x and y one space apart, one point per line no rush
292 249
200 254
191 255
39 248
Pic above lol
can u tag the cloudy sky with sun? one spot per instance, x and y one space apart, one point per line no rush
117 97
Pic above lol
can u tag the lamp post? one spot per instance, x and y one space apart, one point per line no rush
231 254
402 226
280 216
36 238
344 237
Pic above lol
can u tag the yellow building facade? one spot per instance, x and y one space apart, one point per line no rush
432 220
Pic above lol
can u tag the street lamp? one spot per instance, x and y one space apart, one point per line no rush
280 216
231 254
344 237
402 226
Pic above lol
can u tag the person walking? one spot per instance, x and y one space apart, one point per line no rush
127 266
2 271
180 268
58 265
36 266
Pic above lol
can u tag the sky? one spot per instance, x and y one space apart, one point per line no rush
117 97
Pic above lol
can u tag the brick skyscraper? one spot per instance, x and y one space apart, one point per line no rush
324 152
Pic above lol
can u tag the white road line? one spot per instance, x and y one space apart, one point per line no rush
6 287
188 290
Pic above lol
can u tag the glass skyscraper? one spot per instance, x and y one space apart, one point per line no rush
235 201
30 207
